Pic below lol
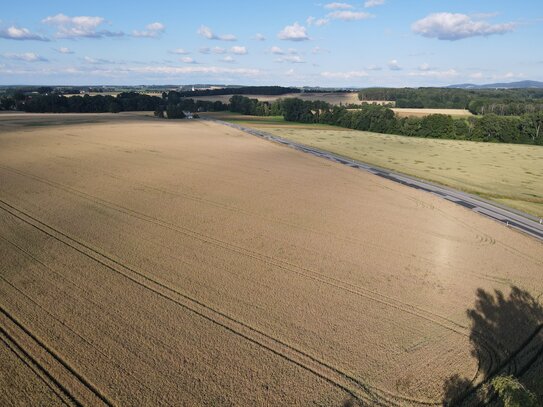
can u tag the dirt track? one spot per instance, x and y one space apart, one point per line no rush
149 262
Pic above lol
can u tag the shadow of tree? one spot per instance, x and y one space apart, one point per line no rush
507 338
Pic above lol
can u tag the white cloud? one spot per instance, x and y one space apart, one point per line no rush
373 3
259 37
393 65
344 75
64 50
175 70
156 26
452 27
152 30
97 61
338 6
158 71
25 56
20 34
374 68
510 75
238 50
450 73
79 27
476 75
228 59
349 15
294 32
319 50
179 51
188 60
206 32
321 21
218 50
293 59
276 50
424 67
318 22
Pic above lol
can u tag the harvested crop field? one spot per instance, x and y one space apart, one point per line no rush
334 98
154 262
412 112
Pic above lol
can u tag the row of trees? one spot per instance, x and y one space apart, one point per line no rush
123 102
54 103
525 129
503 102
174 106
245 90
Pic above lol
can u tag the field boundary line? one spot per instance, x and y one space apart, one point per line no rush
513 218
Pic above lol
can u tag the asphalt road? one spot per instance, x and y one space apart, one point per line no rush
514 219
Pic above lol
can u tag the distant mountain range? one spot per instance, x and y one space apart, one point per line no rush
511 85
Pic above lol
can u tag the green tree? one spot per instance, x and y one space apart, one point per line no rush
533 127
512 393
175 112
437 126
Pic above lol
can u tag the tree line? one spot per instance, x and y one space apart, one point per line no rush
244 90
502 102
525 129
171 102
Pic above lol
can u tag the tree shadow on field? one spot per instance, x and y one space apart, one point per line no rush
507 338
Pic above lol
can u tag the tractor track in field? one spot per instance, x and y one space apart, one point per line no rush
135 240
270 260
493 351
92 392
24 357
482 240
348 383
332 374
104 312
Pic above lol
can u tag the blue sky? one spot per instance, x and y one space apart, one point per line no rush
343 43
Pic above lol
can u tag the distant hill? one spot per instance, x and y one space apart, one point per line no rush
510 85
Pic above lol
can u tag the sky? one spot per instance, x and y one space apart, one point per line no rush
291 43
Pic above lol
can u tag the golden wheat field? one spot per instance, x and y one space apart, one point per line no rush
155 262
413 112
510 174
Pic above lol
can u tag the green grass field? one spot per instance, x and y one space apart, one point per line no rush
510 174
